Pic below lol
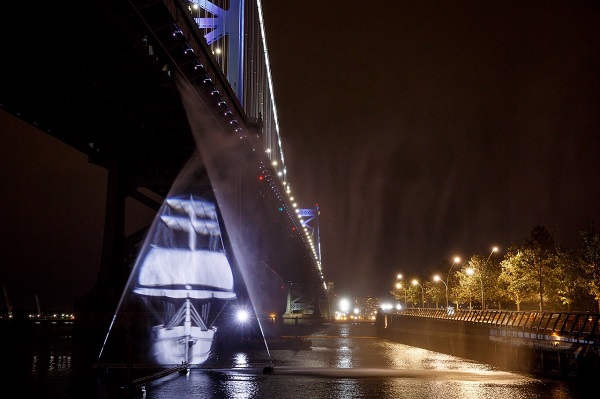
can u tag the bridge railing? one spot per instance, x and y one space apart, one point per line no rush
575 325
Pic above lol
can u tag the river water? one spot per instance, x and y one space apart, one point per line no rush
339 361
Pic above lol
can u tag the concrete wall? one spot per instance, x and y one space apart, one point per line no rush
515 352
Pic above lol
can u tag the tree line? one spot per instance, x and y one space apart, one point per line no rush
538 273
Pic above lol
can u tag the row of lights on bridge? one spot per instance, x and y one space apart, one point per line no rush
294 217
199 68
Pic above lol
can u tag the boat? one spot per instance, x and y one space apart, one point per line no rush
184 270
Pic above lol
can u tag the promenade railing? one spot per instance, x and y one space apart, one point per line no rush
581 326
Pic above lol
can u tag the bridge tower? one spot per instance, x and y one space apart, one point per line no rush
301 309
309 218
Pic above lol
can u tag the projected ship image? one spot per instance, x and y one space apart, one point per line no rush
181 283
183 271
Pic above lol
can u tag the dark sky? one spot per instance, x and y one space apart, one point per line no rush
426 129
423 129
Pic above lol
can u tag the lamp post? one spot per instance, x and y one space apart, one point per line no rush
495 249
471 272
415 282
399 286
456 260
437 278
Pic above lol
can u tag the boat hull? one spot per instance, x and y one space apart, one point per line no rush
175 346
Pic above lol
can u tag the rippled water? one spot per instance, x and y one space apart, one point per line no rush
343 361
348 361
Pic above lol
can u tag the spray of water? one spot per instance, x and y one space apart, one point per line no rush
224 155
217 165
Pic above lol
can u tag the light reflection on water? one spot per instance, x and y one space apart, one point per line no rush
363 383
347 361
344 361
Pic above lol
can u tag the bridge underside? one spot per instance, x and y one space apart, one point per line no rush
97 77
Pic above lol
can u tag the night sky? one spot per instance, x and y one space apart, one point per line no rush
428 129
423 129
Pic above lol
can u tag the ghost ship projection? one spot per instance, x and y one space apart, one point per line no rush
184 270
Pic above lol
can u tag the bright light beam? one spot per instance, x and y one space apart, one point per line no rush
242 316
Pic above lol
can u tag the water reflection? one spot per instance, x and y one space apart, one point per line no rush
240 386
240 360
344 361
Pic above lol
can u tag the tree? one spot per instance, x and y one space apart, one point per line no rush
414 295
434 292
494 291
571 276
541 257
437 293
488 271
531 269
468 287
516 276
590 257
400 294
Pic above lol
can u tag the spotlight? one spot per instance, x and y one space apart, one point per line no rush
242 316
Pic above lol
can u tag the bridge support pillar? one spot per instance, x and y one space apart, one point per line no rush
112 272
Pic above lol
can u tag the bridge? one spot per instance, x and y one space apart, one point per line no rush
106 76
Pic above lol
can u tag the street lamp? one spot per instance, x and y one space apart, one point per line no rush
399 286
495 249
398 278
437 278
471 272
415 282
456 260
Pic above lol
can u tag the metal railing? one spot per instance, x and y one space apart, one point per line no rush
577 325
